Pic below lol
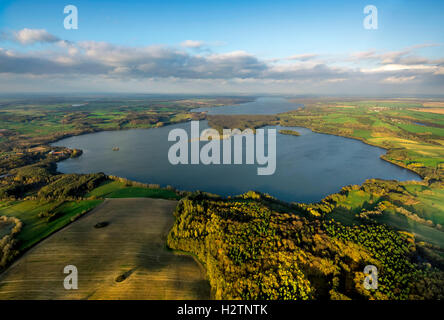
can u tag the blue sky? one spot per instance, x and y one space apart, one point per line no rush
266 30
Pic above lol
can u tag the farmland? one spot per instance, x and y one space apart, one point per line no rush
414 139
36 228
127 259
334 237
29 123
42 199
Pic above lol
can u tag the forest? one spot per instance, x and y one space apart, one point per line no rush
256 247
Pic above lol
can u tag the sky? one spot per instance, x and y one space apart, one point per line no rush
246 47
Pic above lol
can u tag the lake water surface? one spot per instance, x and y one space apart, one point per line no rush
263 105
309 166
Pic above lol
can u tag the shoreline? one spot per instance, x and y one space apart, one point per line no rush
420 178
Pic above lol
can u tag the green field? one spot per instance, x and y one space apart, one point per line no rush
416 208
35 228
422 232
127 259
414 139
116 189
61 212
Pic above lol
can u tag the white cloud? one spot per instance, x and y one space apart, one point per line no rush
303 57
194 44
31 36
398 79
400 67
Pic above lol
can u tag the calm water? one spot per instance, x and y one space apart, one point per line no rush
309 166
264 105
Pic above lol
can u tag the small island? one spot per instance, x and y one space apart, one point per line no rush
291 132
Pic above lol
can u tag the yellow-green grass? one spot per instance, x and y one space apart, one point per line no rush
421 231
117 189
388 124
126 259
397 221
430 203
180 117
35 228
355 201
416 128
338 119
425 202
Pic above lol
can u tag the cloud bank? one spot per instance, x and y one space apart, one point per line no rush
31 36
95 65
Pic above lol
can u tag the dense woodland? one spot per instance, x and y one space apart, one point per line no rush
242 122
7 240
255 247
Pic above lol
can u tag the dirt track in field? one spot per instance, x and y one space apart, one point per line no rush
131 247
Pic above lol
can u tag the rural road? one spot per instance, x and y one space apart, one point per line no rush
126 259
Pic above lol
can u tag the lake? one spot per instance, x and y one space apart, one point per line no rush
262 105
309 166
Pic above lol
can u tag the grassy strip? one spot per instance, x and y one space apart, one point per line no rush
117 189
290 132
35 229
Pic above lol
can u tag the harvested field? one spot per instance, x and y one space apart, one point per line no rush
120 252
433 104
430 110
